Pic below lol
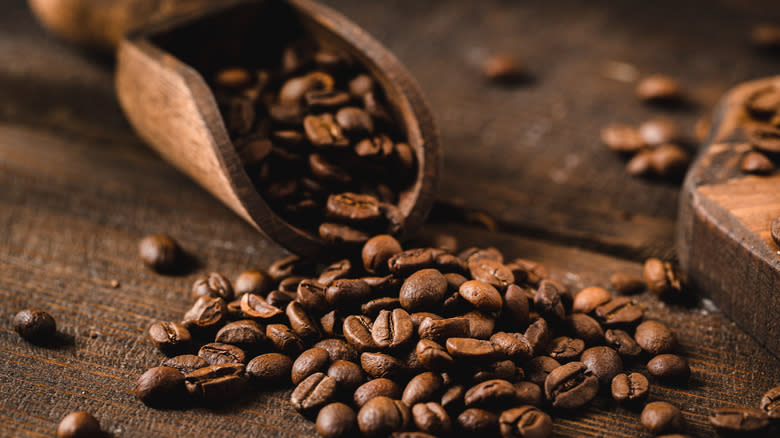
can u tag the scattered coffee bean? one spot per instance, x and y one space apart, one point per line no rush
377 251
213 285
338 349
490 393
770 403
170 337
348 375
626 284
431 418
159 252
669 366
301 323
336 420
185 363
492 272
619 311
589 298
376 388
206 314
586 328
571 386
245 334
422 388
548 299
512 345
79 424
525 421
539 368
481 295
313 393
622 342
622 138
659 131
253 281
381 365
216 383
661 417
538 335
217 353
381 416
478 421
655 337
529 393
35 325
392 329
565 349
738 421
516 306
756 163
284 339
309 362
504 69
473 349
659 89
602 362
630 387
160 386
270 368
423 290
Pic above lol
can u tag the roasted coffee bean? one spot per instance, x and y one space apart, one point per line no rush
332 324
323 131
311 295
376 388
392 329
360 85
539 368
206 314
513 345
284 339
35 325
534 272
372 308
473 349
303 325
213 285
622 138
270 368
79 424
379 145
159 252
626 284
170 337
326 99
491 272
452 399
502 369
565 349
348 375
529 393
423 290
659 89
340 234
432 418
357 331
770 403
286 267
381 416
481 326
422 388
586 328
631 387
313 393
334 271
245 333
347 293
539 335
377 251
659 130
185 363
354 121
383 286
217 353
548 299
294 89
571 386
516 306
433 356
338 349
661 417
290 284
738 421
478 421
419 317
475 253
353 207
309 362
255 306
655 337
525 421
619 311
450 264
602 362
216 382
336 420
278 299
481 295
253 281
490 393
160 387
381 365
410 261
661 277
622 342
503 69
756 163
590 298
669 366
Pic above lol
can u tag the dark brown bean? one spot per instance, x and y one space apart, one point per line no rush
655 337
313 393
335 271
347 293
589 298
336 420
478 421
571 386
372 308
160 387
433 356
309 362
539 368
622 138
473 349
216 382
410 261
170 337
423 290
294 89
547 300
376 388
392 329
602 362
586 328
619 311
381 416
185 363
661 277
270 368
529 393
348 375
381 365
311 295
516 306
217 353
354 121
340 234
246 334
490 393
631 387
432 418
770 403
738 421
491 272
513 345
159 252
660 417
213 285
256 307
37 326
525 421
626 284
422 388
338 350
539 335
276 298
481 295
357 331
79 424
622 342
284 339
481 326
287 266
353 207
565 349
301 323
206 314
502 369
669 366
253 281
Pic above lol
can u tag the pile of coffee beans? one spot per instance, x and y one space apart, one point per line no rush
653 147
316 136
419 342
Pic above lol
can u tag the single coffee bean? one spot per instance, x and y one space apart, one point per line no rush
534 272
290 284
322 131
516 306
770 403
381 416
294 89
432 418
622 138
525 421
206 314
410 261
450 263
256 307
513 345
422 388
481 326
347 293
586 328
301 323
669 366
502 369
217 353
354 121
626 284
655 337
338 349
361 85
186 363
756 163
539 368
336 420
504 69
433 356
348 375
384 286
160 387
213 285
548 299
253 281
35 325
270 368
659 89
309 362
284 339
288 266
340 234
491 272
738 421
376 388
481 295
159 252
392 329
372 308
619 311
473 349
216 383
565 349
353 207
311 295
452 399
170 337
539 335
661 417
244 334
571 386
622 342
381 365
277 298
79 424
478 421
313 393
660 130
631 387
335 271
490 393
357 331
661 277
602 362
589 298
529 393
423 290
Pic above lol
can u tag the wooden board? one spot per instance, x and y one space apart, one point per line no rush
79 190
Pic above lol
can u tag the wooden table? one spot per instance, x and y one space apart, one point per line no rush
79 189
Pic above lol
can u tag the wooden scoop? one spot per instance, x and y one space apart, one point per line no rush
723 238
160 84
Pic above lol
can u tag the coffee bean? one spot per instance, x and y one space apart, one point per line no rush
270 368
376 388
381 416
213 285
160 387
659 89
571 386
206 314
619 312
357 331
433 356
348 375
586 328
630 387
770 403
216 383
381 365
325 99
548 299
284 339
655 337
372 308
534 272
185 363
478 421
602 362
452 399
490 393
276 298
660 417
313 393
669 160
338 350
361 85
410 261
539 335
473 349
309 362
253 281
79 424
354 121
513 345
336 420
481 295
347 293
377 251
341 235
565 349
539 368
301 323
159 252
170 337
622 342
491 272
335 271
525 421
661 277
481 326
659 130
290 284
529 393
383 286
246 334
286 267
590 298
311 295
756 163
423 290
516 306
503 69
35 325
392 329
422 388
622 138
294 89
502 369
217 353
432 418
626 284
669 366
738 421
255 306
353 207
641 164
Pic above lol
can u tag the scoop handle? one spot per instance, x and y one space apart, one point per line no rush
100 24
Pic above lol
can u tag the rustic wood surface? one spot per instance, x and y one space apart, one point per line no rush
80 189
